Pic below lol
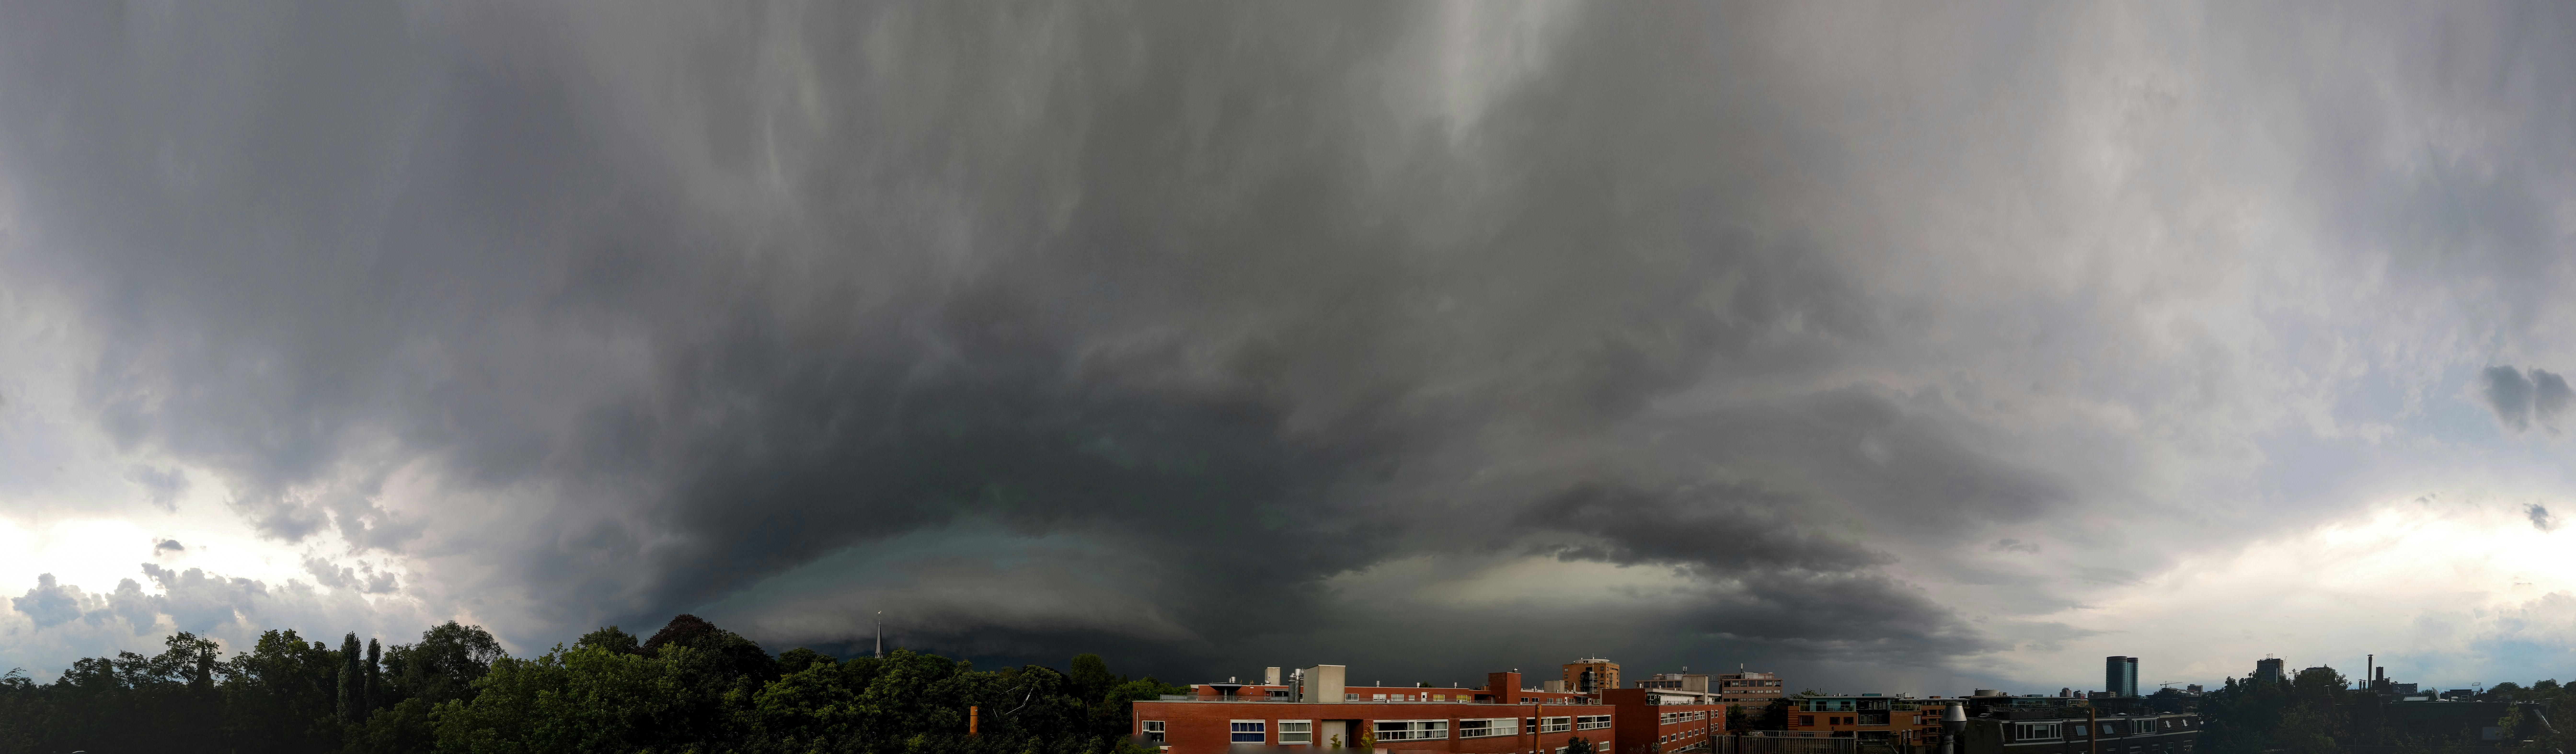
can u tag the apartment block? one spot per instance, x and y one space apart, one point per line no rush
1672 720
1590 675
1750 689
1871 718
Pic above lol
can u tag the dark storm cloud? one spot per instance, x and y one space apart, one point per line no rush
2519 398
1728 529
667 302
2539 517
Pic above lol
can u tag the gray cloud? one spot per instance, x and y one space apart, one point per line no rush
363 578
163 485
2519 398
2539 517
601 313
51 603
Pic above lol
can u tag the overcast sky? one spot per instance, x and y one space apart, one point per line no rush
1896 348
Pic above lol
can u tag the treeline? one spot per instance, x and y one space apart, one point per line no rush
691 687
2314 713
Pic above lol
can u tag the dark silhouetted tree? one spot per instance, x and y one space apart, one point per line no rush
610 638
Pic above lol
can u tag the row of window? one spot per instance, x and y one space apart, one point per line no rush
1354 696
1303 731
1669 718
2045 731
1251 731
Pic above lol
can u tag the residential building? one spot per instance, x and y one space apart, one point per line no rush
2120 675
2270 669
1591 675
1676 682
1872 718
1753 690
2070 728
1670 720
1314 707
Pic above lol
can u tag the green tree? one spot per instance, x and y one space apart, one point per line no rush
454 691
351 704
610 638
797 659
1090 674
444 665
375 675
730 653
280 695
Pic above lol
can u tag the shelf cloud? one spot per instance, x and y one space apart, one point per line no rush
1212 336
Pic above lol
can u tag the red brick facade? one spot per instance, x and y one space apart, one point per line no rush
1671 727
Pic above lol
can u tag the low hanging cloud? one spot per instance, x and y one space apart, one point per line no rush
2521 398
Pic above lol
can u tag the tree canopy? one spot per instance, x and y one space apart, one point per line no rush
691 687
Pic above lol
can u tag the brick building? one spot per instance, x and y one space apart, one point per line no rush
1590 675
1318 709
1869 717
1753 690
1670 720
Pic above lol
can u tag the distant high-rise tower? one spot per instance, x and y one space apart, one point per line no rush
2270 669
2120 675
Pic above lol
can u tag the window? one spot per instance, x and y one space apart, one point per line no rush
1377 697
2081 732
1499 726
2034 731
1806 720
1296 731
1412 730
1439 697
1555 724
1350 697
1154 731
1590 722
1250 732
